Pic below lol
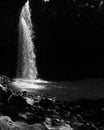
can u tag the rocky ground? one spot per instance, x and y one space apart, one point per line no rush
20 111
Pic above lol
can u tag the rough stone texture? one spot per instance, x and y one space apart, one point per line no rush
7 124
38 127
49 113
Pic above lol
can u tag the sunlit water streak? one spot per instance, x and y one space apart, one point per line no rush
27 74
26 66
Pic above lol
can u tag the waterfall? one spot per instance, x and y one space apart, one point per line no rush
26 63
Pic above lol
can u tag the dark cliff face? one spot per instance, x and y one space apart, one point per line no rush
69 38
69 34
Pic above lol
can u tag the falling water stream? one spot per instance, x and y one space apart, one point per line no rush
27 74
26 65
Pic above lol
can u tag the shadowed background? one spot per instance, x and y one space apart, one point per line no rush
69 35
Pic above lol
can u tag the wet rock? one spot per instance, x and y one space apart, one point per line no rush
37 126
29 100
4 80
4 92
46 103
26 115
57 125
40 113
6 123
17 101
65 127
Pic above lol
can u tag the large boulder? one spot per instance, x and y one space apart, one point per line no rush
4 80
4 91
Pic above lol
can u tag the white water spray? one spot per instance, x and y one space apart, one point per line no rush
26 65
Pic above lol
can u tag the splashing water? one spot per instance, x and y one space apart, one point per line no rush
26 65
